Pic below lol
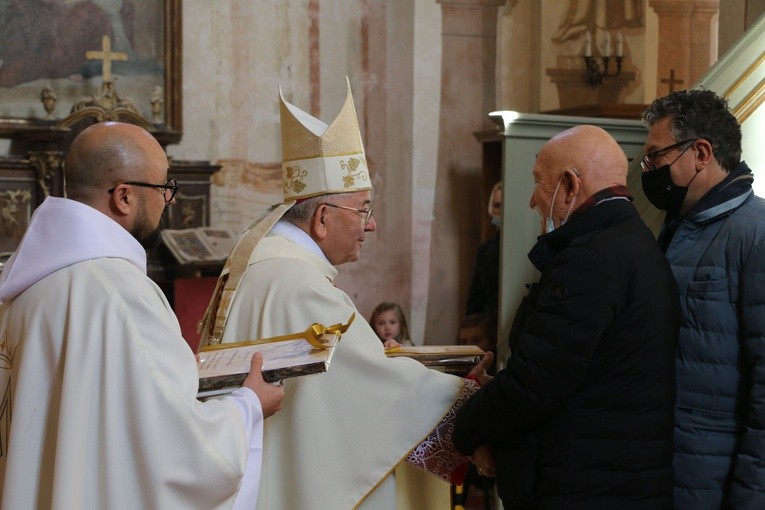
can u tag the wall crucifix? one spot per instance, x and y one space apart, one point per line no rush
672 81
106 56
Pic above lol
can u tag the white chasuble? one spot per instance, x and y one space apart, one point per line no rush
99 407
340 434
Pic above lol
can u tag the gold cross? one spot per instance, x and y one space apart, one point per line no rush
106 56
671 80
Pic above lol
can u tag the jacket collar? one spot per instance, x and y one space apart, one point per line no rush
722 199
608 209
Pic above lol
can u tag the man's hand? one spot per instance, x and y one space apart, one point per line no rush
479 371
270 396
483 458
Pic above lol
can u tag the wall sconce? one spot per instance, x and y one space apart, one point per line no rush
597 70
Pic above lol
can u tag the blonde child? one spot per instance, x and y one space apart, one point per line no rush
389 322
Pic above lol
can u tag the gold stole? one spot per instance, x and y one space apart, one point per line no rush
214 321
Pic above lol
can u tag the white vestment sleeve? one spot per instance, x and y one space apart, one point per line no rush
252 414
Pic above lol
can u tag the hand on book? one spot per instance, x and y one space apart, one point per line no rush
479 371
270 396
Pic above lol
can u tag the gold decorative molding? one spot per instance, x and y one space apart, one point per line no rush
104 106
750 103
9 209
745 75
45 163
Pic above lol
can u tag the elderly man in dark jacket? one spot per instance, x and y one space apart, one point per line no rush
714 238
582 416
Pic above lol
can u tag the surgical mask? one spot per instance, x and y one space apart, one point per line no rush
496 221
662 192
549 224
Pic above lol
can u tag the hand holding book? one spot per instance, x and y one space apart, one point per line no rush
270 396
223 367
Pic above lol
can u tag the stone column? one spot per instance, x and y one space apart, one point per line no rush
703 50
686 41
468 79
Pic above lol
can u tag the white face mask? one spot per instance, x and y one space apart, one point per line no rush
549 224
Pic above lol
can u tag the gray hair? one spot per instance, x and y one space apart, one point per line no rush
300 214
700 114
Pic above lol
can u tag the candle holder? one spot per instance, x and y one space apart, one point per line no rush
597 70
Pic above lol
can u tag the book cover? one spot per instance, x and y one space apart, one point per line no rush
223 367
202 244
452 359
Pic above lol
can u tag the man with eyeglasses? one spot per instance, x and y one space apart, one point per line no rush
714 239
342 434
98 386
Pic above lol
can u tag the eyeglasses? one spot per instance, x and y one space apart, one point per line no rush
168 189
367 214
648 159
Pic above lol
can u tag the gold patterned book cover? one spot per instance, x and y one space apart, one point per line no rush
223 367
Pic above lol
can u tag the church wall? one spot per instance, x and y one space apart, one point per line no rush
518 44
650 49
735 17
237 53
387 33
468 93
426 101
528 48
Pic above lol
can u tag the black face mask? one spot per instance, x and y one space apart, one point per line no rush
662 192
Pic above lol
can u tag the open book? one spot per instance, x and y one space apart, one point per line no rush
223 367
452 359
203 244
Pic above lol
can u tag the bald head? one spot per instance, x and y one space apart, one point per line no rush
104 155
594 153
570 168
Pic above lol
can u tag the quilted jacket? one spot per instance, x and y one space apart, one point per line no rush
717 253
582 417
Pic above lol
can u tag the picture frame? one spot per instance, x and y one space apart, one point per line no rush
44 47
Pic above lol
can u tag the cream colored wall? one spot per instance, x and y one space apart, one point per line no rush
426 100
237 52
650 49
517 66
526 50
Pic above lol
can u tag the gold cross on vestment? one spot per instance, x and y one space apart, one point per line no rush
106 56
671 80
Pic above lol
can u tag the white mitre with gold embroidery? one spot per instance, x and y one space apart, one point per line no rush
318 159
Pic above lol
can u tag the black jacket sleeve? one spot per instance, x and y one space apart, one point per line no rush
575 303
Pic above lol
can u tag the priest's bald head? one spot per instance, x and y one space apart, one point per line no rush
121 170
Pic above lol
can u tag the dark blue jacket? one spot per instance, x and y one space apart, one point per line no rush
582 417
717 253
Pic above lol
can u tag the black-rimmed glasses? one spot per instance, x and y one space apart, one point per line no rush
168 189
648 159
367 214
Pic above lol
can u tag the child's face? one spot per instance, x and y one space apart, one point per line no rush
474 335
387 325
